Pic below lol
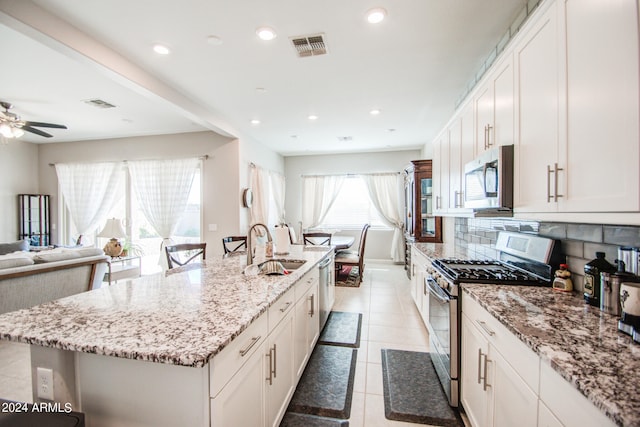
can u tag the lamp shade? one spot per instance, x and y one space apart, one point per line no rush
113 228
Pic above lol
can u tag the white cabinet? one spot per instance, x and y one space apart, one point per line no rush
279 369
579 113
307 327
461 151
602 149
538 58
494 107
241 401
499 373
419 264
441 173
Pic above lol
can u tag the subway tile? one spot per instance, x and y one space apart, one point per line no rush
554 230
586 232
622 236
572 248
590 249
576 265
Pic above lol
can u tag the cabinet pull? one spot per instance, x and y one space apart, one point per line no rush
479 365
312 312
486 384
270 377
253 342
549 172
484 326
275 362
555 182
487 137
286 306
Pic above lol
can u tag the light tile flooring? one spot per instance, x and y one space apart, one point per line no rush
390 320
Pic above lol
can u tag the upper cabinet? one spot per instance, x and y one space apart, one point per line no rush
566 93
421 224
495 108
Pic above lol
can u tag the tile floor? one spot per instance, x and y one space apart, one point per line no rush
390 320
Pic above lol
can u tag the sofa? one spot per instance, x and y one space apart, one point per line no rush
32 278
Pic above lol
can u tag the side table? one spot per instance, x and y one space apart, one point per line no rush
122 268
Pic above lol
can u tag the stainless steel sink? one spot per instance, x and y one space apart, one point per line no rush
279 266
291 264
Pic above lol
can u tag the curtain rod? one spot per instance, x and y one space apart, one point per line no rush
202 157
350 174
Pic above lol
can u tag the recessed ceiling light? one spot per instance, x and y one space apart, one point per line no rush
255 122
313 117
266 33
374 112
391 130
376 15
161 49
214 40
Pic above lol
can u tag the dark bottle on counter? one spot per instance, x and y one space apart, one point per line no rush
592 272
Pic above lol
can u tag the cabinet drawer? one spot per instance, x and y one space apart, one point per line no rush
281 307
225 364
304 284
524 361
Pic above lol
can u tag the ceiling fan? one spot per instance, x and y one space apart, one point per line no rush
11 126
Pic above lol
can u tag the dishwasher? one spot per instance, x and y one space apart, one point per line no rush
326 290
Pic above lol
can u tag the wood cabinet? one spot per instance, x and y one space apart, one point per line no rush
35 219
421 224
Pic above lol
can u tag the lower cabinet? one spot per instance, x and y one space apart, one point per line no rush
307 328
419 291
279 366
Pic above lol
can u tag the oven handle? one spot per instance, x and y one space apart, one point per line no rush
439 293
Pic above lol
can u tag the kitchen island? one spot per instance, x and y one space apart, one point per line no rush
100 343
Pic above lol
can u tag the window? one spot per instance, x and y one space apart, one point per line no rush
352 208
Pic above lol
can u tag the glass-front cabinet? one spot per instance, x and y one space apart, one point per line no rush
35 219
420 223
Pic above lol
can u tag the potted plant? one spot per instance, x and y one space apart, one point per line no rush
129 248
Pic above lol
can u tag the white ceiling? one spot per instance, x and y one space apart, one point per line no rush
413 67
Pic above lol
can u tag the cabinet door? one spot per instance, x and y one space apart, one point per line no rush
484 117
474 395
245 390
441 173
503 132
513 402
546 417
301 336
537 65
455 166
602 106
279 370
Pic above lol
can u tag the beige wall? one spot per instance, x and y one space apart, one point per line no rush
378 242
19 166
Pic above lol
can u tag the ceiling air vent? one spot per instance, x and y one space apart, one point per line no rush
99 103
309 45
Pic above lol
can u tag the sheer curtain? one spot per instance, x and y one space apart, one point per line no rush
385 193
260 187
318 194
162 190
89 191
278 188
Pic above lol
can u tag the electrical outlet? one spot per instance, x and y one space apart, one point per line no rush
45 383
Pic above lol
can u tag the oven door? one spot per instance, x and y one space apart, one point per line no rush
443 337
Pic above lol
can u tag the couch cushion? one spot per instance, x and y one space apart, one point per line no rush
51 257
89 251
15 262
20 245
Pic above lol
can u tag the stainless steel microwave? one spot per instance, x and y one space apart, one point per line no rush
488 181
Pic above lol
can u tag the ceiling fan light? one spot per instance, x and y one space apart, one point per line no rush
5 130
17 132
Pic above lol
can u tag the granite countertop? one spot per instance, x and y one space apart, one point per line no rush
578 341
184 318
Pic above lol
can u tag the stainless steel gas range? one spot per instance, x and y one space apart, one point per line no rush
523 260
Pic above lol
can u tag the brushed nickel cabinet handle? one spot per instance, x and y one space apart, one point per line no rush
486 363
286 306
270 377
484 326
253 342
479 365
549 172
275 362
489 127
555 182
312 312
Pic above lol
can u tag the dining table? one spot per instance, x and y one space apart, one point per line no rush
342 242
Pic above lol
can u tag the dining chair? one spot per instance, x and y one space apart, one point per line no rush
234 245
316 238
183 253
353 258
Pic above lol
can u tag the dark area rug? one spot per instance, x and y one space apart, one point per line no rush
348 277
412 391
303 420
342 329
326 386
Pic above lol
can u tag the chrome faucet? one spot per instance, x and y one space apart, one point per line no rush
249 250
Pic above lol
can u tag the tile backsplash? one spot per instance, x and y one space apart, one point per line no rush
579 242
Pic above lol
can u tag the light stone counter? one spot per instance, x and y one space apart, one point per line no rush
184 318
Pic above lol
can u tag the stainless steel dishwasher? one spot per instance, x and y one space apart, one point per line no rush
326 289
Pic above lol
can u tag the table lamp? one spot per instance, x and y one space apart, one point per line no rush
113 230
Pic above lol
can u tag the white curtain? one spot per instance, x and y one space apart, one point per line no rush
162 189
386 196
259 181
89 191
278 188
318 194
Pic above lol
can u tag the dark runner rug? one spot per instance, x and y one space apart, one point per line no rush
342 329
303 420
412 391
326 386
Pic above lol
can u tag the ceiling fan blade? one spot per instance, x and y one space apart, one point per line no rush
36 131
44 125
